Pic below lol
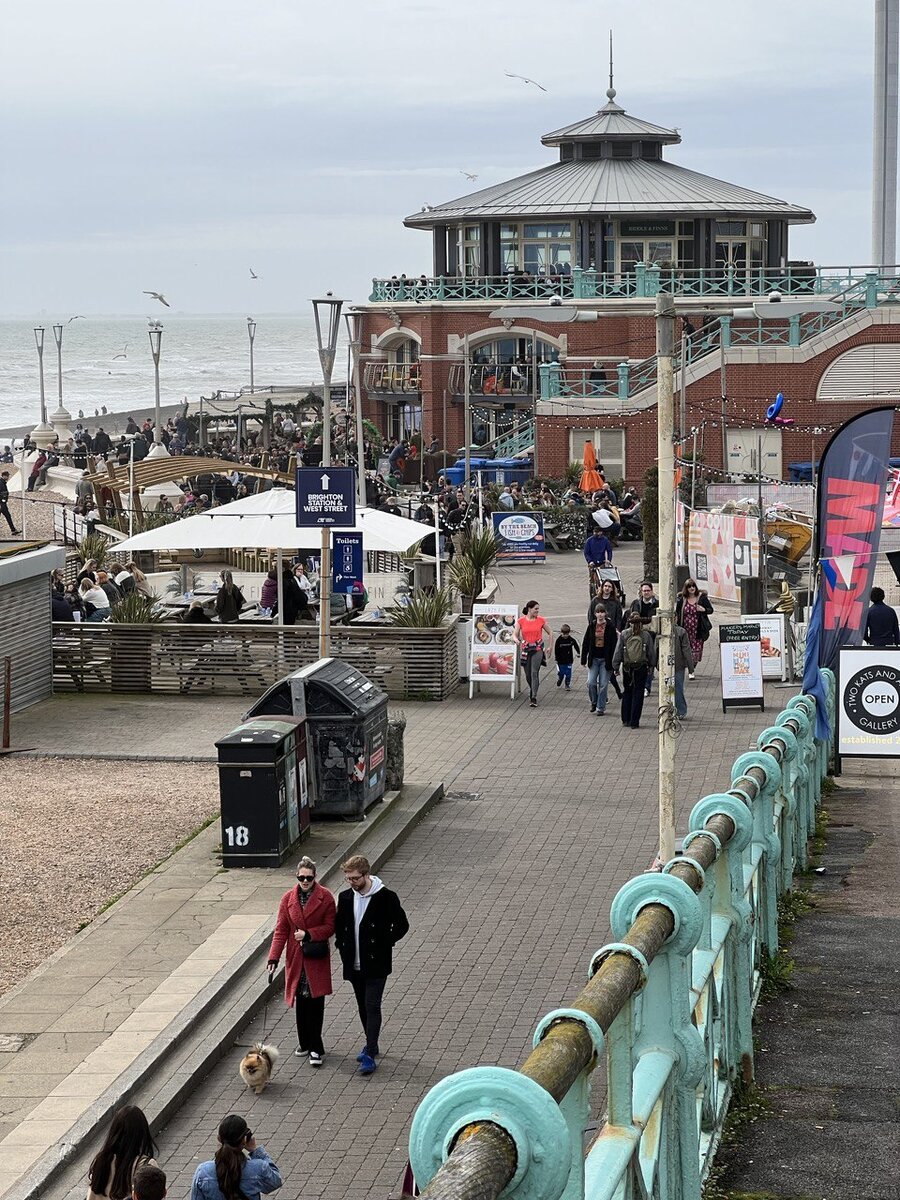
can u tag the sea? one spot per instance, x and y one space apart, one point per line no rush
106 360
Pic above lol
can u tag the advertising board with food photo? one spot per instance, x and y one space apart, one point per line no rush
772 647
493 648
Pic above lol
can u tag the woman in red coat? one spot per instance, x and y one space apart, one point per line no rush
305 923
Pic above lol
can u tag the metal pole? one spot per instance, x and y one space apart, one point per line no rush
131 489
58 335
332 306
200 429
466 415
324 594
354 323
251 333
762 524
7 698
884 158
694 468
22 482
665 424
437 544
682 417
534 395
722 387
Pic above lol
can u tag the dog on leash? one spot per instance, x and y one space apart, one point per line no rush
257 1066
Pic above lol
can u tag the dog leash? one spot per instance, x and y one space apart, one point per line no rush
265 1020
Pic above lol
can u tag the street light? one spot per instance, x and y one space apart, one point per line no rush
327 312
353 321
42 435
62 417
157 450
251 334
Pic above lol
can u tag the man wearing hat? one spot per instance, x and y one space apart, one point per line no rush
635 653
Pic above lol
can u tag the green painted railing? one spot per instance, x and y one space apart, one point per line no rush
669 1006
871 291
643 283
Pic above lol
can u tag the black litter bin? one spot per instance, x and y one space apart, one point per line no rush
346 721
262 791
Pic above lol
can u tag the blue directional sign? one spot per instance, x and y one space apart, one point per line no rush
326 496
346 562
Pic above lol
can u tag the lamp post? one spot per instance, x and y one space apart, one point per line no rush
251 334
42 434
157 450
62 417
327 312
353 321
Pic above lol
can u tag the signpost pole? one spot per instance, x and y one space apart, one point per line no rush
665 345
324 594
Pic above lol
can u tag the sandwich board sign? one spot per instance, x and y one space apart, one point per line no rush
740 662
774 647
493 652
868 702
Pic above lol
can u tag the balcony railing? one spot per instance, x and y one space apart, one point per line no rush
392 377
493 381
644 282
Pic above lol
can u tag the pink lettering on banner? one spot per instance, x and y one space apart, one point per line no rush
850 515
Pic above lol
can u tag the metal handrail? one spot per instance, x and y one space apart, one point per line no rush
483 1159
495 380
393 377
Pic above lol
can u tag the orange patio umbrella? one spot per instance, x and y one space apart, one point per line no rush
591 479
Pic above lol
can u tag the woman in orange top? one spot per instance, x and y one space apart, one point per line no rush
531 629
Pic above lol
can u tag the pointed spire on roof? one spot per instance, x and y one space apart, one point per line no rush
611 106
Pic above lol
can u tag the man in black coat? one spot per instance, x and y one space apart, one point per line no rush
4 501
370 922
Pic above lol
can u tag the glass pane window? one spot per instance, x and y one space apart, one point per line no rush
686 229
548 231
731 228
757 229
631 253
509 233
472 233
509 255
658 252
561 257
535 257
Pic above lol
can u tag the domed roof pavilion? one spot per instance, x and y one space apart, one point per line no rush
611 201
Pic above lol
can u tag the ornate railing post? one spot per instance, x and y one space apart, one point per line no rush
652 279
786 800
640 279
800 781
766 843
577 283
668 1051
794 329
550 380
871 289
622 371
730 904
576 1104
725 326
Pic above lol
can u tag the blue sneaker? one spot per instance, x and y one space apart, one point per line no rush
365 1051
367 1065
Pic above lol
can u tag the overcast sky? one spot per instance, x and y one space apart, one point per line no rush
174 145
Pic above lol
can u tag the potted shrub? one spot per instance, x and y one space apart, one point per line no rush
130 650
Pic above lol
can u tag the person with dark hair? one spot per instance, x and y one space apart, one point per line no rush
229 599
127 1147
306 917
881 621
4 501
531 630
635 653
692 610
149 1183
241 1170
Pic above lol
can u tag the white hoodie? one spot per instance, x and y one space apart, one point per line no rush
360 904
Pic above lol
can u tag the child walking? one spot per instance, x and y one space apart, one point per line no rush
564 650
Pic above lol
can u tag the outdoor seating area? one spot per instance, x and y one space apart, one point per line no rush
244 659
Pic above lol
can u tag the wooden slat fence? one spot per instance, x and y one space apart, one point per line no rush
409 664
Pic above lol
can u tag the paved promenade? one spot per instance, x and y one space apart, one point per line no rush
508 885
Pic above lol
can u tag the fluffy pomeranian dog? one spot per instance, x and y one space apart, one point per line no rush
257 1066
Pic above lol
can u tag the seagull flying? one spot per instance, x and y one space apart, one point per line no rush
469 175
79 317
253 274
158 296
525 79
123 354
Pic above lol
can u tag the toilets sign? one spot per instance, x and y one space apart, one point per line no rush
868 722
326 497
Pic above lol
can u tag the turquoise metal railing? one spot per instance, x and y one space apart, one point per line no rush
644 282
872 290
669 1006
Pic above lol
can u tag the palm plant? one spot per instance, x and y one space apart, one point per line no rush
135 609
481 547
425 610
93 545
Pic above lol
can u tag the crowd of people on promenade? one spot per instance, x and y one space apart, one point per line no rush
365 922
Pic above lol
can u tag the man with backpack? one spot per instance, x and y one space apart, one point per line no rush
635 653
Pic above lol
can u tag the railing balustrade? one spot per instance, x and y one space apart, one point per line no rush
492 380
669 1006
242 659
392 377
644 282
